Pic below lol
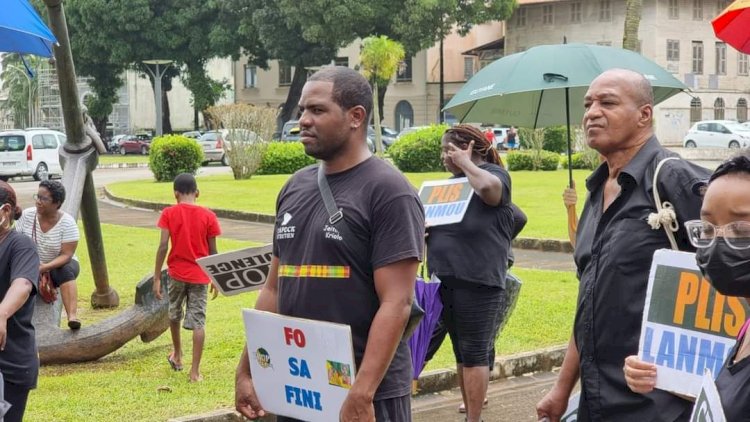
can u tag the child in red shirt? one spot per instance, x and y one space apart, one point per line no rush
192 231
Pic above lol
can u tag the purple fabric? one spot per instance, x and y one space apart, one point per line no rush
428 297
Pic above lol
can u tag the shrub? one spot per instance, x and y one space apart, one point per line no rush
419 151
532 160
171 155
284 158
555 139
250 129
518 160
580 160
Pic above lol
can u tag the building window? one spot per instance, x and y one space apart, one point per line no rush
468 67
698 57
547 14
404 71
605 10
604 43
742 110
341 61
285 74
721 58
521 16
673 50
404 115
696 114
251 76
674 9
697 10
742 64
719 109
575 12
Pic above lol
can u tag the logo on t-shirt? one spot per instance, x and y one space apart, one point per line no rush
331 233
284 231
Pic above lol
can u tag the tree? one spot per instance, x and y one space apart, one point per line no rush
206 91
270 29
380 58
23 88
422 23
632 23
189 32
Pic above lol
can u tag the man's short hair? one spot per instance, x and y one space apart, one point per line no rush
643 92
185 184
350 88
739 163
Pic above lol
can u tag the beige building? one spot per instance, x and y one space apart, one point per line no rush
412 98
676 34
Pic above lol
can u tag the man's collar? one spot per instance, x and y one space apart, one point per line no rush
633 169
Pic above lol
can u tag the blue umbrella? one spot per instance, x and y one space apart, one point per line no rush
427 294
23 31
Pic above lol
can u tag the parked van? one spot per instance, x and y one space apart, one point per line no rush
30 152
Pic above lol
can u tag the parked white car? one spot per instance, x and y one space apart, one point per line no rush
30 152
717 134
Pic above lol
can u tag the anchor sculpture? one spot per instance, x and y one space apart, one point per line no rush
147 318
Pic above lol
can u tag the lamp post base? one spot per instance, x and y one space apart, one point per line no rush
110 299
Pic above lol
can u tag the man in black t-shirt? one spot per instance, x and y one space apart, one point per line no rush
316 271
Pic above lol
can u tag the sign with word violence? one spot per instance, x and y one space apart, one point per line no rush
301 368
688 326
238 271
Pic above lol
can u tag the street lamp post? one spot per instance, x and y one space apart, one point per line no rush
157 75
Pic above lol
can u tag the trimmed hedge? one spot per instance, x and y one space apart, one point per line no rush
171 155
556 139
580 160
529 160
284 158
419 151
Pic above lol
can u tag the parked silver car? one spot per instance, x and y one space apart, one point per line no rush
215 143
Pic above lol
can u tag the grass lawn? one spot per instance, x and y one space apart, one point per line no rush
135 383
117 158
539 194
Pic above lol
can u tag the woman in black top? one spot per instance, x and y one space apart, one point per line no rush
471 259
19 274
722 241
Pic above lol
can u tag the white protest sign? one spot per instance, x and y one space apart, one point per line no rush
445 201
238 271
687 327
571 413
301 368
708 404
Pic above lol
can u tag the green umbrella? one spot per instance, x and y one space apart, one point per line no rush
545 85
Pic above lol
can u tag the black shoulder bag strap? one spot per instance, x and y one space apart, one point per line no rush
336 219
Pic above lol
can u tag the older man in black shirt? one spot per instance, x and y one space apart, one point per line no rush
614 247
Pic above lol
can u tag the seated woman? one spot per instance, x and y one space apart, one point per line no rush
722 239
55 234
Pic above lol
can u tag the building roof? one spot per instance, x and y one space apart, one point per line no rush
497 44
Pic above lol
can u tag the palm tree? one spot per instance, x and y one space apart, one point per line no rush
632 22
22 88
380 58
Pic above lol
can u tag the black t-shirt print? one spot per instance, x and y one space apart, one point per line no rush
19 362
321 278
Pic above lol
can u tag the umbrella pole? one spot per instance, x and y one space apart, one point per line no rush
570 157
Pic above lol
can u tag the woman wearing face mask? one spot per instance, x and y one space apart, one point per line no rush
19 272
722 239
